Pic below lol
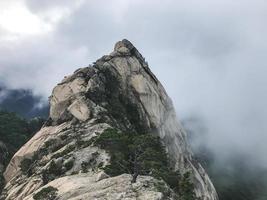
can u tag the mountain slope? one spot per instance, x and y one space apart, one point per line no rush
65 159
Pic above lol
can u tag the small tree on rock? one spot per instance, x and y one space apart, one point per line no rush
136 154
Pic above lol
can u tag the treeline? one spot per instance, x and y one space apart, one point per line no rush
16 131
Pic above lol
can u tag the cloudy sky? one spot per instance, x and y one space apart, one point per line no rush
209 54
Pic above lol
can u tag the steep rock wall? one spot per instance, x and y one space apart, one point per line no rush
118 91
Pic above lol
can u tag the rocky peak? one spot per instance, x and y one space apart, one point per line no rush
113 80
118 91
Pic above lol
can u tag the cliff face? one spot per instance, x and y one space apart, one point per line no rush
118 91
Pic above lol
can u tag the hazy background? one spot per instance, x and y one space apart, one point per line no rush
210 55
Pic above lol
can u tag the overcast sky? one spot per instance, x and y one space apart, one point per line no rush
209 54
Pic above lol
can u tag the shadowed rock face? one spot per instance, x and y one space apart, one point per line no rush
117 91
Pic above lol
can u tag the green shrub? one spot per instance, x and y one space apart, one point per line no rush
67 150
2 182
51 172
186 187
142 154
69 164
161 187
54 169
53 145
85 143
48 193
84 166
25 165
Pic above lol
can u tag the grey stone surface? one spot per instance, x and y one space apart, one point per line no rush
118 91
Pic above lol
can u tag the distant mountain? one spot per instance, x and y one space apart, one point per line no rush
20 118
234 179
22 102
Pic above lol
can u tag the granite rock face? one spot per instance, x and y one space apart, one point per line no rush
117 91
86 186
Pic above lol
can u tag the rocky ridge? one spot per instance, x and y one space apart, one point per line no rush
118 91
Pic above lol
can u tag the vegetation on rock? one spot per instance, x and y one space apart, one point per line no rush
25 165
54 170
2 182
143 154
186 187
15 131
48 193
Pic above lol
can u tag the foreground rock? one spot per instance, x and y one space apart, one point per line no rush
119 91
84 187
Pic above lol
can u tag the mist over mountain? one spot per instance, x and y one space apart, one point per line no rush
235 177
23 102
112 133
209 55
226 174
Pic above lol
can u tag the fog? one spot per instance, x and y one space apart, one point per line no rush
210 55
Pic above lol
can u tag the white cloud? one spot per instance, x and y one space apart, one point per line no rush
209 54
17 19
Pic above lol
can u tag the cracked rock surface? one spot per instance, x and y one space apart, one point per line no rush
119 91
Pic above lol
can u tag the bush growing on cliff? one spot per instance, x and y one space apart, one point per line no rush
142 154
185 187
2 182
25 165
48 193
